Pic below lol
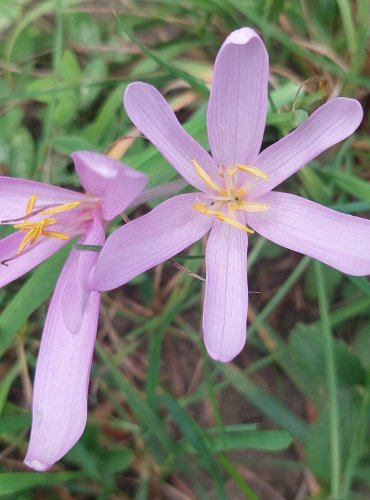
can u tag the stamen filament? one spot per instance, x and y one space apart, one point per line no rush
207 179
221 216
217 198
257 172
231 171
61 208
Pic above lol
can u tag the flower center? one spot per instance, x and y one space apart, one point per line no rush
36 229
230 196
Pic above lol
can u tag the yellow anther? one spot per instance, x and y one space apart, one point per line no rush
29 236
36 229
221 216
203 175
257 172
251 207
201 208
61 208
56 235
31 204
234 223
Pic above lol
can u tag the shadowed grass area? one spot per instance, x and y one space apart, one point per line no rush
289 418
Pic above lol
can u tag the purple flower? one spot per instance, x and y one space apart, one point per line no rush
235 195
46 218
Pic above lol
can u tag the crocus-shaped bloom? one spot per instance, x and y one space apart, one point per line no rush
235 196
47 217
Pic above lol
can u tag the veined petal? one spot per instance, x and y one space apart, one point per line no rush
12 265
151 114
226 294
148 241
15 194
238 103
328 125
61 381
76 291
339 240
117 184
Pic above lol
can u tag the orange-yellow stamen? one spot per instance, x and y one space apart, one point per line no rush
61 208
31 204
207 179
257 172
221 216
36 229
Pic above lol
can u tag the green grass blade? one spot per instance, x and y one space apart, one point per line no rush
331 384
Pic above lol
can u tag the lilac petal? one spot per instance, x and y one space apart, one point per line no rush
149 240
76 291
226 295
328 125
238 103
12 265
339 240
61 385
62 377
109 179
15 193
151 114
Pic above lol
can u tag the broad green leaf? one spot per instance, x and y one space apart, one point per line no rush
93 71
67 144
69 69
307 354
41 90
83 457
67 107
13 424
13 482
116 460
318 440
258 440
10 122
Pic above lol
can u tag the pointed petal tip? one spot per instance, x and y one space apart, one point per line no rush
37 465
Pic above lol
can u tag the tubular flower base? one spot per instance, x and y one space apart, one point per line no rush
235 196
46 218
